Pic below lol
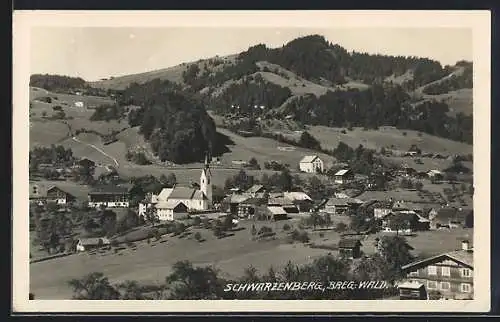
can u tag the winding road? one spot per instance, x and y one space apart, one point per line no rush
97 149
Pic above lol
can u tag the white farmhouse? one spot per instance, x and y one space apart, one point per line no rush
311 164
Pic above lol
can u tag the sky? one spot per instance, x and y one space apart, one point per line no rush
93 53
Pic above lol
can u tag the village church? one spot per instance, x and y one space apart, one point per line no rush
174 203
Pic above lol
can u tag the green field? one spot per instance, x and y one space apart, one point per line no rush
152 263
387 137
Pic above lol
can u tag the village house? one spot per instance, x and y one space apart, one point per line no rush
300 199
451 217
412 290
404 222
340 206
276 213
435 175
85 244
311 164
109 196
257 191
40 194
248 207
382 209
407 171
349 248
343 176
59 196
231 203
171 210
85 162
286 204
445 276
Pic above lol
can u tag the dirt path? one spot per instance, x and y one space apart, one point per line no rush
97 149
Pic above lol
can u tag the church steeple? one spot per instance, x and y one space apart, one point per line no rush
206 180
207 165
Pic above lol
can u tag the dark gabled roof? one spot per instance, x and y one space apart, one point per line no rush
349 243
86 160
460 256
109 189
182 193
57 188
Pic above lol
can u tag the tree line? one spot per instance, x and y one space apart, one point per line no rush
380 106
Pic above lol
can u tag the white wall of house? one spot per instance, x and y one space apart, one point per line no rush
193 203
109 204
311 167
381 212
169 215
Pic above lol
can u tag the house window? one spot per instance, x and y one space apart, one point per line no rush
445 286
466 272
465 288
445 271
432 270
431 285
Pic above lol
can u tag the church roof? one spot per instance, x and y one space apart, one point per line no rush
182 193
165 193
199 195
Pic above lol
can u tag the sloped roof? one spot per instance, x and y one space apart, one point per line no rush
182 193
349 243
461 256
276 210
238 198
43 190
342 172
164 194
297 195
343 201
169 204
255 188
411 285
308 158
337 202
199 195
282 201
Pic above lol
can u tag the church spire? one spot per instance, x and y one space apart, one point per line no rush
206 161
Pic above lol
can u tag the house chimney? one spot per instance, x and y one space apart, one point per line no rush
465 245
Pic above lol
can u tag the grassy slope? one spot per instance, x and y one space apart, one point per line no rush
232 255
387 137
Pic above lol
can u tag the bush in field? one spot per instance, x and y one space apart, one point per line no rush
300 236
198 237
286 227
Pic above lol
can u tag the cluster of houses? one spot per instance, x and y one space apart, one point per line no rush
447 275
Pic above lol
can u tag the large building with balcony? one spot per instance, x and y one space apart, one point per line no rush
444 276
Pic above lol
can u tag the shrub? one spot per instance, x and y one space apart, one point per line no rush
300 236
286 227
343 131
264 229
197 236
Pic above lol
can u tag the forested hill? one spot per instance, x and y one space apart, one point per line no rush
309 81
